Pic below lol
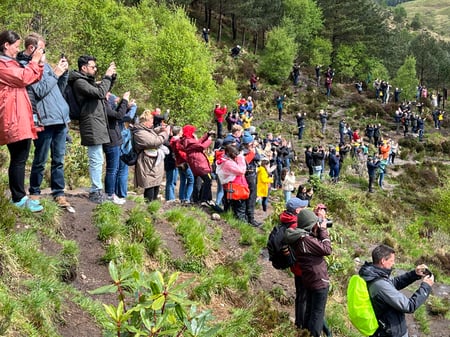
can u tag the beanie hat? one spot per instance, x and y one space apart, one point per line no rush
188 130
247 138
294 203
306 219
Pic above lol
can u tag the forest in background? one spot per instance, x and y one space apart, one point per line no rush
162 59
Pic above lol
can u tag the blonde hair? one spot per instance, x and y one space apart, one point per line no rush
236 127
146 116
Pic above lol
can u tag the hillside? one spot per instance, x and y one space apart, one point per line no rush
232 272
435 15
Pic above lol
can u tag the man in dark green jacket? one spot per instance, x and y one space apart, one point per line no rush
91 97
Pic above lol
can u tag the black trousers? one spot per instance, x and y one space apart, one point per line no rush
151 193
251 201
19 152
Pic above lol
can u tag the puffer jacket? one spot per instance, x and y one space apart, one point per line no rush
47 95
16 117
92 98
196 158
148 142
309 252
389 304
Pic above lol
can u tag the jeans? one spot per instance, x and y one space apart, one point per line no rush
238 207
18 152
122 180
171 183
52 138
316 301
112 154
300 132
264 203
317 170
380 179
219 129
186 184
220 193
287 195
95 157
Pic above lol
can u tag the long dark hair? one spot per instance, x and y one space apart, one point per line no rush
7 36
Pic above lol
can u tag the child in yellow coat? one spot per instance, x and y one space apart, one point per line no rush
263 181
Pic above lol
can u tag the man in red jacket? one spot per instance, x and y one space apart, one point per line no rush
219 113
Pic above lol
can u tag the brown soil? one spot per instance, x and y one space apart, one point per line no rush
92 274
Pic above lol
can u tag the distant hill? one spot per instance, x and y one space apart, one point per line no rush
434 14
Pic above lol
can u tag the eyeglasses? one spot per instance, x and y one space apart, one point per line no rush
92 67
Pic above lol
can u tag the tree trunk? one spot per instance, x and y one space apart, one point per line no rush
206 13
233 26
243 37
219 34
255 40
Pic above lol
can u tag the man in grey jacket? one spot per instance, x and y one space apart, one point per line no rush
389 304
53 114
93 118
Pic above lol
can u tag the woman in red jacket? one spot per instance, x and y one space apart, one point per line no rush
17 128
198 162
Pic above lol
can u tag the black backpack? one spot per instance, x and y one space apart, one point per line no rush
280 254
74 106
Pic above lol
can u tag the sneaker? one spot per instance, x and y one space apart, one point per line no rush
96 197
115 199
32 205
63 203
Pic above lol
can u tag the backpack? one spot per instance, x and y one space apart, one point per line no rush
129 154
359 306
74 106
280 254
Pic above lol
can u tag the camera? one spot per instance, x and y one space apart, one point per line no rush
63 56
328 222
427 272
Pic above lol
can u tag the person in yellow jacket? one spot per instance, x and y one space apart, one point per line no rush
263 181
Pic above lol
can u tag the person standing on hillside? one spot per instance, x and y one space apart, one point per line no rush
149 143
219 114
310 243
93 117
279 101
301 124
17 127
53 113
323 117
389 304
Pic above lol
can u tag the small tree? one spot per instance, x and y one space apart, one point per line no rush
276 62
406 78
151 305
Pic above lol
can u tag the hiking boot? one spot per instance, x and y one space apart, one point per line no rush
33 205
63 203
255 223
96 197
115 199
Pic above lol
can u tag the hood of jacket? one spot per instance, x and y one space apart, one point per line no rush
288 219
370 272
291 235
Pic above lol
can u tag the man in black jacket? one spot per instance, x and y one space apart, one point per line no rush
389 304
93 119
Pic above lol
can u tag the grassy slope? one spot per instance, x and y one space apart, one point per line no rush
435 15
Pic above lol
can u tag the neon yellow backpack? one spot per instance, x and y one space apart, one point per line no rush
360 307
